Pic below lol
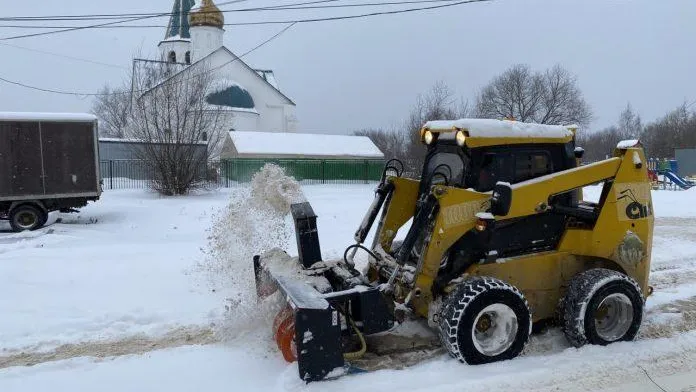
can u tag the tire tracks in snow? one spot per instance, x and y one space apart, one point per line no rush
133 345
665 275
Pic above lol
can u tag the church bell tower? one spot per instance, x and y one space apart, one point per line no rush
176 46
207 29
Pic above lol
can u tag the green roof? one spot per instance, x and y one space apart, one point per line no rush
233 96
179 21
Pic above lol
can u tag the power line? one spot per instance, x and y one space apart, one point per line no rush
289 23
97 25
72 93
310 20
63 56
282 7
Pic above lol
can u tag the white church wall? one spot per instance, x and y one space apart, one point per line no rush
243 121
205 40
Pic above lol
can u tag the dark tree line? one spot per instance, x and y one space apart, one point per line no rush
549 97
552 96
676 129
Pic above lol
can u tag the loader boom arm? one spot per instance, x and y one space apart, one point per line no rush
532 195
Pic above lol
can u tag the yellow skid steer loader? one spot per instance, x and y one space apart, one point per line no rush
498 238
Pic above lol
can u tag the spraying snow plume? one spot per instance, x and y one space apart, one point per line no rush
272 190
256 220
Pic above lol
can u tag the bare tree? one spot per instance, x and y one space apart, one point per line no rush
677 129
549 97
600 144
390 142
630 125
437 104
178 127
112 107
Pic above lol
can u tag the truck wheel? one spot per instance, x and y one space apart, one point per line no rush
27 217
485 320
601 307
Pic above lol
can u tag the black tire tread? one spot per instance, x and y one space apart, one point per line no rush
580 291
455 304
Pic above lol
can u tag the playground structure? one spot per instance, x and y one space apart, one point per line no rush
663 174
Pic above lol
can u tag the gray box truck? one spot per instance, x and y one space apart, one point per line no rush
48 162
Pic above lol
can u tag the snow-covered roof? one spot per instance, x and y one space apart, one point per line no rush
176 38
198 62
478 127
37 116
140 141
276 144
268 76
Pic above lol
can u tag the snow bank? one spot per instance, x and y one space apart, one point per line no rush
479 127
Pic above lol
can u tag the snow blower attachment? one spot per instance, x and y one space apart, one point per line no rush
325 302
499 238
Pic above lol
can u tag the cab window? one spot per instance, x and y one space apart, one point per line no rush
532 164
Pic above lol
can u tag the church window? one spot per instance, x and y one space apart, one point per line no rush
172 57
188 57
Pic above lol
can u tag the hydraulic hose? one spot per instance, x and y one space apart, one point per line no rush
356 247
363 345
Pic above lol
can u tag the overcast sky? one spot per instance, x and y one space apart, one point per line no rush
366 73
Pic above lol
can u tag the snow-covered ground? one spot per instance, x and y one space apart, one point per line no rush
119 298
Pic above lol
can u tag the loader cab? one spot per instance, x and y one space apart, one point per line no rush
481 165
480 168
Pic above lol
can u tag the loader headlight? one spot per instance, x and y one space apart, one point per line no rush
428 137
461 138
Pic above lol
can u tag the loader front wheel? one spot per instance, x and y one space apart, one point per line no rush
601 307
485 320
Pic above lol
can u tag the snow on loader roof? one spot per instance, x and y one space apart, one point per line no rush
491 128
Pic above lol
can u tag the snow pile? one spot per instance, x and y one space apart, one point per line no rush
255 221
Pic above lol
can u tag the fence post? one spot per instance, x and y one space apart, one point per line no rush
226 171
111 174
323 171
367 172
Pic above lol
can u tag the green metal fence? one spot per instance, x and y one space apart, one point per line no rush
129 174
307 171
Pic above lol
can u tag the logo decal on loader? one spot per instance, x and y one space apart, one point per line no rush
463 213
632 201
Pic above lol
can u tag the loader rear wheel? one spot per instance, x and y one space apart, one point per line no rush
601 307
485 320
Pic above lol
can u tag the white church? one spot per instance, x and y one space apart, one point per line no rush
251 97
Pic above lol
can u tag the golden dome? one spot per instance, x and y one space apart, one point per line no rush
208 14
